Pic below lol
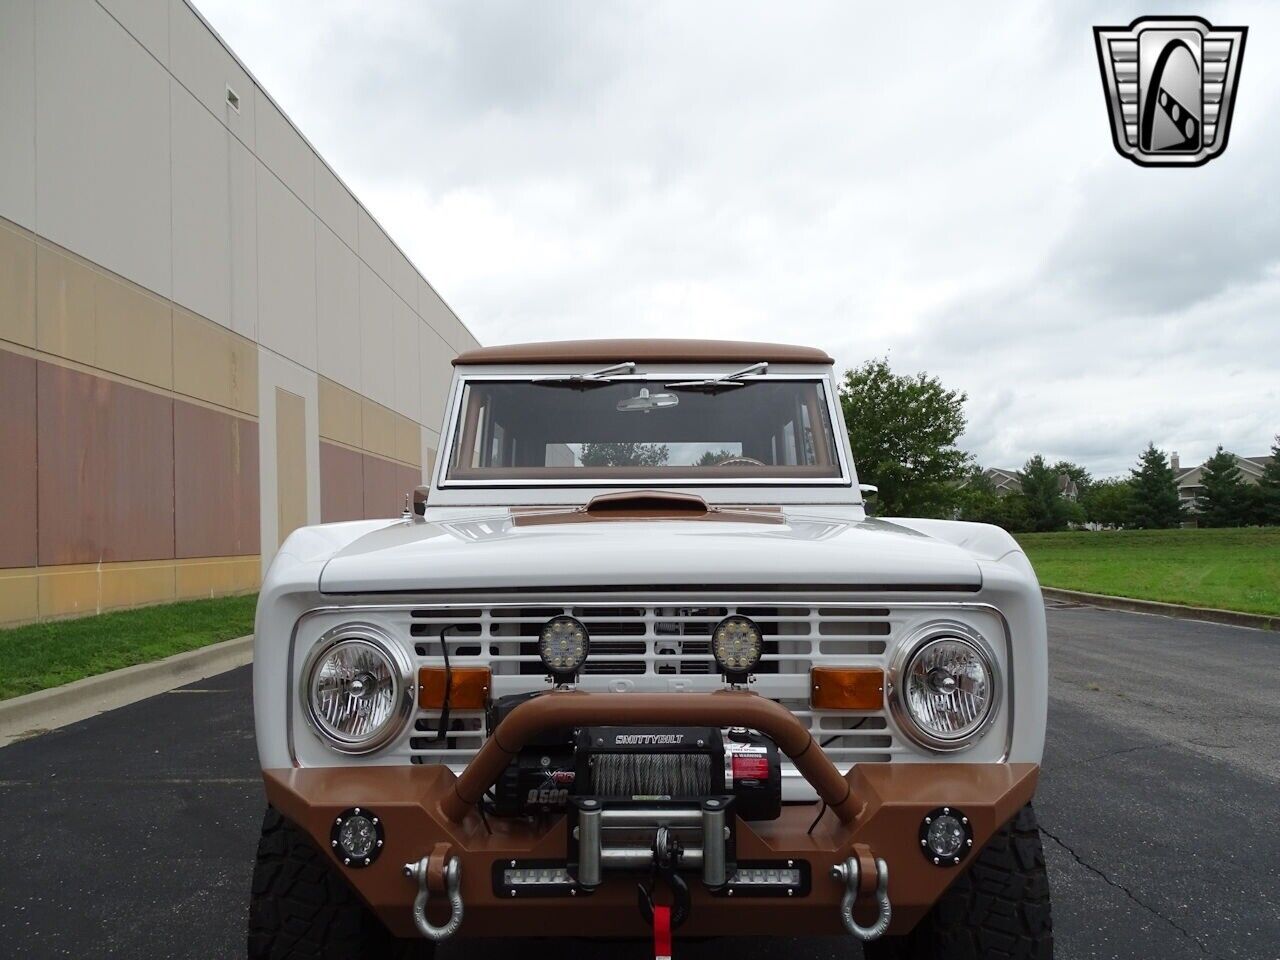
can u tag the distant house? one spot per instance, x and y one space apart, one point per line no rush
1190 486
1007 481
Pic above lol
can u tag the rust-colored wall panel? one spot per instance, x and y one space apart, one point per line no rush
17 460
105 454
215 483
385 484
341 483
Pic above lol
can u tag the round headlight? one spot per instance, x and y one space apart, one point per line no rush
563 645
359 692
948 687
736 645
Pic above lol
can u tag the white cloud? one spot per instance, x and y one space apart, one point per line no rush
940 186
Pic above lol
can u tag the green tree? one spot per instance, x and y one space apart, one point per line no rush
977 500
1225 501
1154 504
903 430
1266 497
1046 508
980 502
624 454
1108 502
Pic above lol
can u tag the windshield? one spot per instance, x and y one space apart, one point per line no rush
643 429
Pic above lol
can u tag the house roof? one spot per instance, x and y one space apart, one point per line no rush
663 351
1251 467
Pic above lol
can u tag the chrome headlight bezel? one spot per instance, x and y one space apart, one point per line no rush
404 695
906 653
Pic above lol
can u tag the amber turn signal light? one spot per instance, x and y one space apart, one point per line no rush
846 688
468 688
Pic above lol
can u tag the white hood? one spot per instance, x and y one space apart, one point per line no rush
497 551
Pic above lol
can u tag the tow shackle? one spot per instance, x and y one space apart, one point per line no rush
453 890
849 873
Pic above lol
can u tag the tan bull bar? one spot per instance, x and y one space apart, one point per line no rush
874 813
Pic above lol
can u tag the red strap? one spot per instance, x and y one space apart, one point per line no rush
661 933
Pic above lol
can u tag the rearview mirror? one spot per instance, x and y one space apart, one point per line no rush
647 401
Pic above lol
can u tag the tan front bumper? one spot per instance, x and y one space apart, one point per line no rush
880 805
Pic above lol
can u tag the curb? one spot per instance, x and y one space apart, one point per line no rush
1234 618
36 713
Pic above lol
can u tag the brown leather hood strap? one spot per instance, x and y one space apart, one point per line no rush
725 708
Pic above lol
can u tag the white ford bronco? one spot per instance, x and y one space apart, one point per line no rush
637 664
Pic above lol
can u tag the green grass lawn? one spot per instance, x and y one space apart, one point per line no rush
49 654
1229 569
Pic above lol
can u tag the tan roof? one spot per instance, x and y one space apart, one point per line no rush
650 351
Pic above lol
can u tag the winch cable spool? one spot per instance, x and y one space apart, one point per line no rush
651 774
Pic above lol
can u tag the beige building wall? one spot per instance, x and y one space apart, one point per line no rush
174 253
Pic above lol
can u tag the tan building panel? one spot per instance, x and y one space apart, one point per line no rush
68 591
105 455
135 585
215 483
19 596
408 441
66 290
291 462
341 483
134 332
379 428
17 285
215 576
213 364
340 415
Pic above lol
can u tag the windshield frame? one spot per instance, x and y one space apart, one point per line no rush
641 481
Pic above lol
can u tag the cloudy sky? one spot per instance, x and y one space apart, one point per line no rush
930 183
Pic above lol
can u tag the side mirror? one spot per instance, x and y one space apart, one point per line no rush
420 501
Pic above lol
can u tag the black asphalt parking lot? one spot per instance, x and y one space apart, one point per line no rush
132 834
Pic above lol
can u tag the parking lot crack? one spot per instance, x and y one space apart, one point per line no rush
1123 750
1127 892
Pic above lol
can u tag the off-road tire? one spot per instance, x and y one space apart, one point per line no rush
997 910
301 907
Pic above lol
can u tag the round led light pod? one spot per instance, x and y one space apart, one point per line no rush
736 645
563 645
357 837
946 837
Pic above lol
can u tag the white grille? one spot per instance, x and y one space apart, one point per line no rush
656 647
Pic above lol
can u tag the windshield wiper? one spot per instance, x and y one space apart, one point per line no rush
596 378
726 382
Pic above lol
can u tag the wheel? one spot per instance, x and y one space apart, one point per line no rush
997 910
301 907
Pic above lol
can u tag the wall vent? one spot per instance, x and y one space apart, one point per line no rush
233 100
